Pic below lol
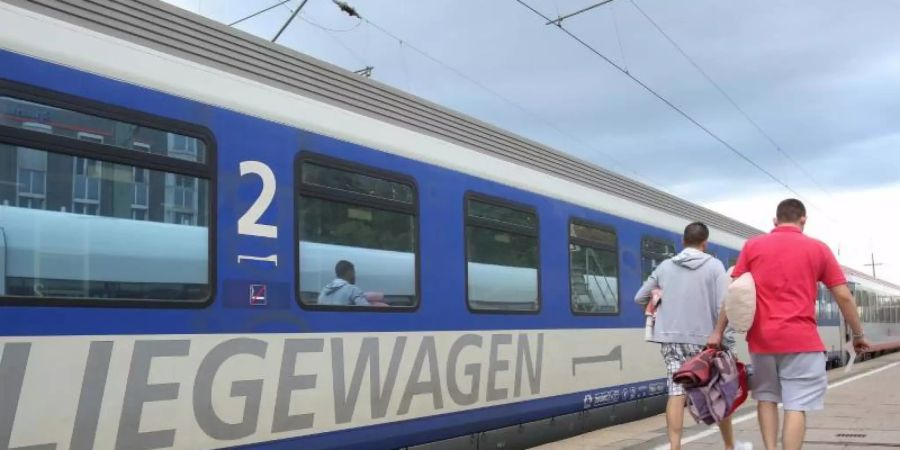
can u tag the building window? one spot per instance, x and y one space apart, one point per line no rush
593 269
654 251
183 147
86 186
502 264
358 236
31 178
103 236
140 179
181 199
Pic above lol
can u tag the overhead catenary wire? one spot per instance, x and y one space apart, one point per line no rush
491 91
730 100
612 14
262 11
453 70
291 19
336 40
668 103
351 11
332 30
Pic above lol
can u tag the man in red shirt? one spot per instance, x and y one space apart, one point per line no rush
787 353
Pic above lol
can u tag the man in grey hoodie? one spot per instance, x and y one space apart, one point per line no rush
693 285
343 290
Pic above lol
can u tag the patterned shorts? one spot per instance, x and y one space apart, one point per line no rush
674 356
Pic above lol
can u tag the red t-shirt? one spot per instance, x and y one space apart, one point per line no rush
786 266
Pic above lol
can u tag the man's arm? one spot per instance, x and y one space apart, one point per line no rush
833 276
645 293
357 296
848 309
715 339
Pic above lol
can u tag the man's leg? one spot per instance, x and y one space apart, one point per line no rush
804 382
674 355
794 430
766 390
727 433
768 423
675 420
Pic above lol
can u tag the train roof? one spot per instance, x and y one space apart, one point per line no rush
172 30
866 279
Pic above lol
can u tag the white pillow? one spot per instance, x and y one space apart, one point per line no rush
740 303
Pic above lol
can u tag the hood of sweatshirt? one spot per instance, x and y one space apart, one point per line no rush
336 284
691 258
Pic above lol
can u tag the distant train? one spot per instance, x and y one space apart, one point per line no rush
174 196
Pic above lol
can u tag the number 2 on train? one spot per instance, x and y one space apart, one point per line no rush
248 224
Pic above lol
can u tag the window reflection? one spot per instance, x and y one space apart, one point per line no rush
653 252
502 257
71 124
78 227
593 265
355 251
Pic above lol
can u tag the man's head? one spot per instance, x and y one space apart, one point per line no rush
696 235
791 212
345 271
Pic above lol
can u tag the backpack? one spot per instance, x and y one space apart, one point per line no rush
740 303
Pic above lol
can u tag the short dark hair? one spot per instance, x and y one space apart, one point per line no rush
343 268
696 233
790 211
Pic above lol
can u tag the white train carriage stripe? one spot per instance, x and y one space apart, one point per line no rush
192 391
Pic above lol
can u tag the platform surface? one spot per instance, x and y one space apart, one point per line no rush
862 411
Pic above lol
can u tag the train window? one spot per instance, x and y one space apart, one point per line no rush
861 304
820 310
358 236
71 124
501 256
865 303
82 220
896 310
593 269
654 251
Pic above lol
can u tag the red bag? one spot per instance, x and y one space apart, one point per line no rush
696 371
745 388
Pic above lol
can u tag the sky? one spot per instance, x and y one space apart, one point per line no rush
820 79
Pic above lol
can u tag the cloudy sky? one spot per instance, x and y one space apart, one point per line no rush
821 78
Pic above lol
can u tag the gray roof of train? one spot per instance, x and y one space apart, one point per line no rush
172 30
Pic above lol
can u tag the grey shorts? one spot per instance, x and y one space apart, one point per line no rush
797 380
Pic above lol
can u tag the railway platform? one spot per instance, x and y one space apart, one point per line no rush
862 412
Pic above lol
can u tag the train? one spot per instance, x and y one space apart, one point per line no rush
176 194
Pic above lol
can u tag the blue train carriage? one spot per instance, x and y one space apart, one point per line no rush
878 304
175 197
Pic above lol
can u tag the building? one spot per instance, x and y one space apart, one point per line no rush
41 179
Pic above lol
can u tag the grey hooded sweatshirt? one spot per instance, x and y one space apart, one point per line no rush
342 292
693 287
